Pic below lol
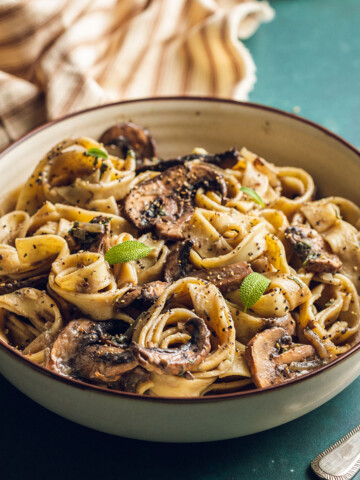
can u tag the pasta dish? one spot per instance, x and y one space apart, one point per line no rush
181 277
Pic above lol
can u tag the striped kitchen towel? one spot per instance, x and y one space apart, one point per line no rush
60 56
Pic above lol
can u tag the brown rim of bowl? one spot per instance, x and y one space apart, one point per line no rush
244 393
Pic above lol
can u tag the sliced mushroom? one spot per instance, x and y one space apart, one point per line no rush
166 201
286 322
127 136
143 295
130 381
224 278
268 364
177 263
103 363
86 349
38 281
176 361
297 353
312 249
226 159
92 236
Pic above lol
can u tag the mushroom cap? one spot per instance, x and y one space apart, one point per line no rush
104 363
146 294
176 361
259 355
132 379
125 136
177 263
225 278
312 249
37 281
266 364
166 201
287 322
79 350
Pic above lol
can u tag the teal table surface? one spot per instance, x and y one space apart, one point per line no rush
307 58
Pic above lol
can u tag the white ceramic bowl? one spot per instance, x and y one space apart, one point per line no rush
178 125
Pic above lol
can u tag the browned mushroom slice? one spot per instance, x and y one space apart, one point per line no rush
177 263
92 236
286 322
296 353
224 278
130 380
88 350
127 136
38 281
176 361
312 249
103 363
146 294
297 360
267 364
226 159
166 201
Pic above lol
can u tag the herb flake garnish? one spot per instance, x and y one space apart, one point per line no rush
88 233
311 256
329 303
130 153
302 248
298 281
252 289
97 153
127 251
254 195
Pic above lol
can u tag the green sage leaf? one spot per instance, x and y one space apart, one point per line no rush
127 251
252 289
97 153
254 195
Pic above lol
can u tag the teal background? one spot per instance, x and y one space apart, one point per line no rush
309 57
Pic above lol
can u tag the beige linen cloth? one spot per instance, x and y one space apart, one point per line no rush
60 56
